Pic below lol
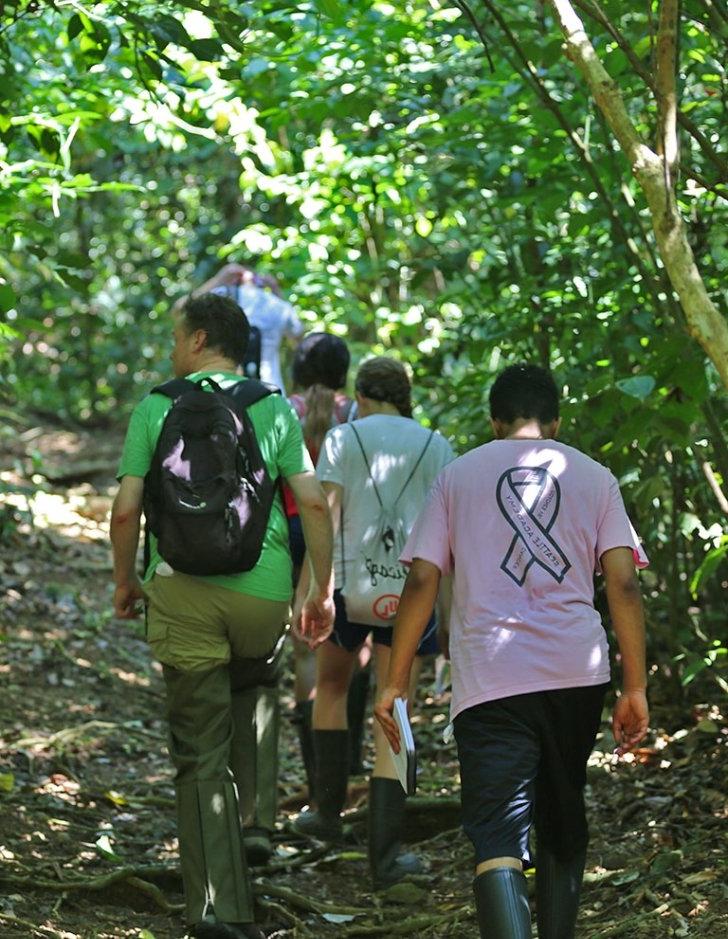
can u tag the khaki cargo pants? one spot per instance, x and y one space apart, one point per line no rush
217 647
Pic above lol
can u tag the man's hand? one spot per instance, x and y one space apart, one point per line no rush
315 622
630 720
126 600
383 711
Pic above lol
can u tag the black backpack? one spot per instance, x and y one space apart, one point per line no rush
208 494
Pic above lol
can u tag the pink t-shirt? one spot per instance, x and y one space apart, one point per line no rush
521 525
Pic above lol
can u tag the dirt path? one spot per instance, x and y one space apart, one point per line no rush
87 839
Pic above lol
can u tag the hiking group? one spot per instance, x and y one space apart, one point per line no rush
389 548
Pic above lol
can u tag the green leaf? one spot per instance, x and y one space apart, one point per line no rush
664 861
333 9
711 562
639 386
104 847
7 782
75 26
206 50
7 298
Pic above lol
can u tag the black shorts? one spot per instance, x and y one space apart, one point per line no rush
523 759
350 636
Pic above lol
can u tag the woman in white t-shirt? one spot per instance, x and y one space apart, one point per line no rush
377 472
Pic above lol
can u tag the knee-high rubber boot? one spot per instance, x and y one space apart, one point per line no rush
386 818
501 901
302 718
356 710
558 885
254 762
331 749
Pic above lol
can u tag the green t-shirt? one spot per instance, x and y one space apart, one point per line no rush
281 445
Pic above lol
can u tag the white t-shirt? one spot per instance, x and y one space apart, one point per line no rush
392 445
275 318
521 525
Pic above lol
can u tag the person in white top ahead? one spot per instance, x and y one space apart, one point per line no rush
376 472
259 296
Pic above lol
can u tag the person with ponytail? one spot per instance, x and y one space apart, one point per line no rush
383 457
319 371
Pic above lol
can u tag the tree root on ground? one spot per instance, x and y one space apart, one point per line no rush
412 926
138 878
305 903
26 924
68 735
133 876
279 911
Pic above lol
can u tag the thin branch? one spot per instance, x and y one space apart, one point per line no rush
715 486
716 13
665 82
462 5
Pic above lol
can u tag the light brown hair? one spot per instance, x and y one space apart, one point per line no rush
385 379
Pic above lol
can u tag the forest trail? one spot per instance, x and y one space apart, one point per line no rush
87 840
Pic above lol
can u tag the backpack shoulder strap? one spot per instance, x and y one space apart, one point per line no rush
248 392
350 412
366 462
414 468
174 388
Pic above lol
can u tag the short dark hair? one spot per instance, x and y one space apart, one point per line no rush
524 391
321 359
227 327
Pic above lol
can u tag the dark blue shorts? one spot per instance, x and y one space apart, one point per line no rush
350 636
523 759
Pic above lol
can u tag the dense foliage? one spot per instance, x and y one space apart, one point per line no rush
428 178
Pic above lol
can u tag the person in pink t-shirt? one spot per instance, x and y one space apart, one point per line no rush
522 524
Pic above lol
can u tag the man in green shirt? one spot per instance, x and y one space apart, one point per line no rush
202 628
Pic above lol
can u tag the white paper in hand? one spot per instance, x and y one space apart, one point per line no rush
405 762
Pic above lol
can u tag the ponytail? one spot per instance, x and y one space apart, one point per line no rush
320 402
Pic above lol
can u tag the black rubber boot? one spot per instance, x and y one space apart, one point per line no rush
331 750
302 717
356 710
558 885
386 817
501 902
